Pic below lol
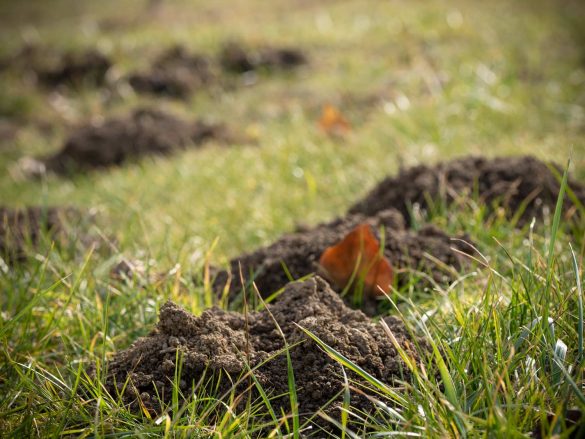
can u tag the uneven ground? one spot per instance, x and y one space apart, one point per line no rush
419 82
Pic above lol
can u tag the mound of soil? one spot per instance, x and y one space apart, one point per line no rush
300 252
51 68
512 182
116 140
20 228
236 58
89 67
176 73
219 343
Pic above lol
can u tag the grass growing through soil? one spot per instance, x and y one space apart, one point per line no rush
419 82
506 349
506 363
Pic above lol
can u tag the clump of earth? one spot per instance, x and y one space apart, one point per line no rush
175 73
119 139
237 58
24 228
297 254
523 186
221 345
51 68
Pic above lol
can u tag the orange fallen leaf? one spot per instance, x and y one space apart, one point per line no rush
359 252
333 122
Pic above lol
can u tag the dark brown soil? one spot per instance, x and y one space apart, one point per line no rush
117 140
236 58
83 68
51 68
515 183
176 73
222 341
300 253
21 229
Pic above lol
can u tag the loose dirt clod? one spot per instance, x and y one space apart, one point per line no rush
176 73
513 182
298 253
117 140
22 227
219 343
239 59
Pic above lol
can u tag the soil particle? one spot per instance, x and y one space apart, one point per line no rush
117 140
299 252
236 58
21 228
222 341
509 182
176 73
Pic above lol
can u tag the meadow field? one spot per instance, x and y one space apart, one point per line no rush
499 349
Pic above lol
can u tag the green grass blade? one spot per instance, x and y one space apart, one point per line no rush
579 303
345 362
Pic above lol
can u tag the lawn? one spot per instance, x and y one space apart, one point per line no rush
419 82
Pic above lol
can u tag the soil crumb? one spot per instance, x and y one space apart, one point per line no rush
297 254
21 229
176 73
51 68
116 140
514 183
219 343
236 58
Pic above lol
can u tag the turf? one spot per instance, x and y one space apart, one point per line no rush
419 82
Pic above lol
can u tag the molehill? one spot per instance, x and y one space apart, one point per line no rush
219 344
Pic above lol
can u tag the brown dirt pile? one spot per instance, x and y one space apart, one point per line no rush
236 58
176 73
300 252
217 341
117 140
51 68
89 67
511 182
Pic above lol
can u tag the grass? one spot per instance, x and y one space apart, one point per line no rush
419 82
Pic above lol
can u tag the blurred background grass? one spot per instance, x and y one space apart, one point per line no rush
418 81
